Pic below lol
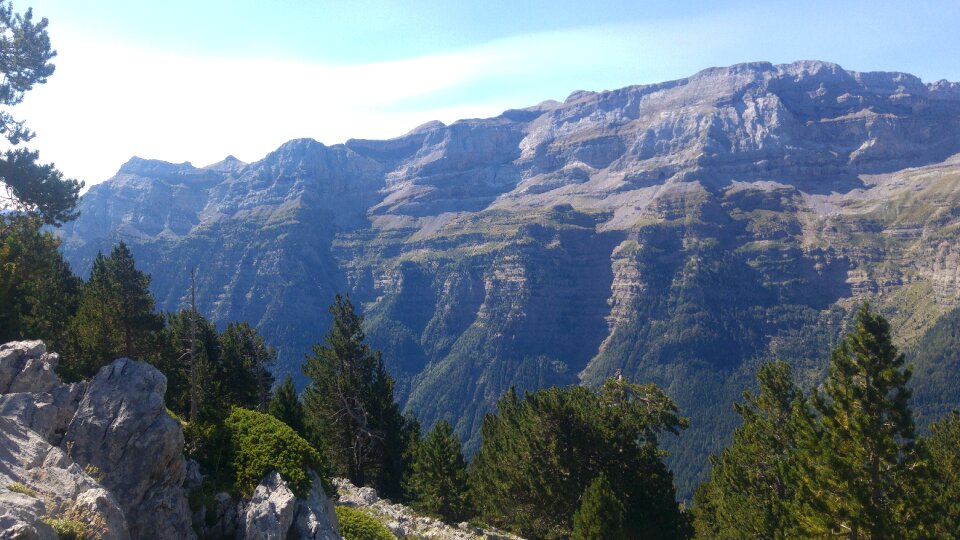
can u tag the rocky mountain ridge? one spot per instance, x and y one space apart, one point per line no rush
678 232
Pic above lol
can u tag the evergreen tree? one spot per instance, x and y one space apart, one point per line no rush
285 406
173 361
243 366
38 292
539 454
861 463
137 319
28 188
115 317
349 407
600 514
942 490
437 483
752 482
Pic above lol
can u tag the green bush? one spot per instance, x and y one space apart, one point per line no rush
260 443
67 529
359 525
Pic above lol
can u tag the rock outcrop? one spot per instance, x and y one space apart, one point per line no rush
275 513
122 430
105 454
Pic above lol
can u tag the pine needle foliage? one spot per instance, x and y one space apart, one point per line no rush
600 514
437 482
541 452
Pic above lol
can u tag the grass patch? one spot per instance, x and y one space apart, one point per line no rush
358 525
67 529
17 487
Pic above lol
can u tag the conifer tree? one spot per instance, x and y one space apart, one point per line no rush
243 366
285 406
752 482
137 319
861 463
600 514
173 362
115 317
349 407
438 475
38 292
539 454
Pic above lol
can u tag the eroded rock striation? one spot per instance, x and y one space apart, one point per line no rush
677 232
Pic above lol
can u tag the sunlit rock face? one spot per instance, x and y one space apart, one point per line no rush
678 232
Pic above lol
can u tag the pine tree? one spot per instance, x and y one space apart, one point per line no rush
600 514
539 454
285 406
38 292
115 317
137 319
349 407
752 482
243 366
438 475
861 462
174 363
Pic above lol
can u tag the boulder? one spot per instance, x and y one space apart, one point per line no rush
20 517
122 434
271 510
316 519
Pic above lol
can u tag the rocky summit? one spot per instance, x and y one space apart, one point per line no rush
678 233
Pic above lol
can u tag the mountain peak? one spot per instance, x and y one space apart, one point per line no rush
152 167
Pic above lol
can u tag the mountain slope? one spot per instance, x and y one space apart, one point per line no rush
679 232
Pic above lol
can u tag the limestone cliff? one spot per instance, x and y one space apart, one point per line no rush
678 232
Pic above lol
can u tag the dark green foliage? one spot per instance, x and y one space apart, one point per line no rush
30 189
285 406
942 493
349 407
38 292
243 366
358 525
261 443
936 374
600 514
437 483
752 484
116 316
860 466
540 453
174 362
67 528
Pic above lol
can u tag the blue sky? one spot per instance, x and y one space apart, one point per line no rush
197 80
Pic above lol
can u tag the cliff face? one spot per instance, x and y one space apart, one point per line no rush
678 232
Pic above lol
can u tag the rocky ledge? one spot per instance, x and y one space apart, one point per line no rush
404 522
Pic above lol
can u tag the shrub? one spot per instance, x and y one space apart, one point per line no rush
260 443
359 525
67 529
20 488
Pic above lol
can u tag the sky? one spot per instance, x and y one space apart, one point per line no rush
197 80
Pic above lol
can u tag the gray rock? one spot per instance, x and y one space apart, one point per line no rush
123 434
20 517
25 366
271 510
316 518
61 487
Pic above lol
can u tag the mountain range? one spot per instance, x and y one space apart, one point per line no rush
679 233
